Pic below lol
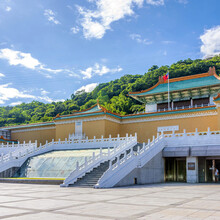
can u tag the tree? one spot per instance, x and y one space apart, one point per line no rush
112 95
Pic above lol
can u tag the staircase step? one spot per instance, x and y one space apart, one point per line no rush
91 178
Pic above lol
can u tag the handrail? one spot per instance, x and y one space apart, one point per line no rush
24 151
131 159
176 108
96 160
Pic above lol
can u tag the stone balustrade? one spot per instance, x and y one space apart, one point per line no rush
15 158
121 166
96 160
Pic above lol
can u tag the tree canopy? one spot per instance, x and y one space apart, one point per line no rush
112 95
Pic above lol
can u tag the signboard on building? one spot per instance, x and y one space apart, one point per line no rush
168 128
78 128
191 166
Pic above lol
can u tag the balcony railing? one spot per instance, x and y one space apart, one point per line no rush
175 108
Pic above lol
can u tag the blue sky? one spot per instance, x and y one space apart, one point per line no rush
50 48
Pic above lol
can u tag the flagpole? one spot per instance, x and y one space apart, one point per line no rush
168 91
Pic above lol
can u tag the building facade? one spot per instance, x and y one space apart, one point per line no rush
194 106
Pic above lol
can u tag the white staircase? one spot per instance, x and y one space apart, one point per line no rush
96 160
131 159
18 154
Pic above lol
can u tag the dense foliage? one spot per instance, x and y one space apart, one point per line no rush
112 95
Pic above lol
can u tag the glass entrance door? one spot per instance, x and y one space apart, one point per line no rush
211 165
175 169
181 170
209 171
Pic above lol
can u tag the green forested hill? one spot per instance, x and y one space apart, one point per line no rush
112 95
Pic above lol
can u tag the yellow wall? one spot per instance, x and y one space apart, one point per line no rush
63 130
146 130
94 128
40 135
218 110
90 128
104 127
112 128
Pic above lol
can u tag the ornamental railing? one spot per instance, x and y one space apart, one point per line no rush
22 152
122 165
176 108
96 160
128 160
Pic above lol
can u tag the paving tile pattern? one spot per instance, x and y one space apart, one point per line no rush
158 201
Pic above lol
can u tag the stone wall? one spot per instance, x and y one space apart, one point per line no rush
9 172
152 172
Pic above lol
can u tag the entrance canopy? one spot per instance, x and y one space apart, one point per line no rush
204 151
176 152
201 151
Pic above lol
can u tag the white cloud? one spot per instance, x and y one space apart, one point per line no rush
75 30
98 69
139 39
210 42
15 58
155 2
96 22
50 15
8 8
18 58
44 92
88 88
7 93
48 99
15 103
2 75
44 96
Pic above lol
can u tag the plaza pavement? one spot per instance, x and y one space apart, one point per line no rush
158 201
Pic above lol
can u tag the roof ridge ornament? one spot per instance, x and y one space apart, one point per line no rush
216 98
160 80
212 71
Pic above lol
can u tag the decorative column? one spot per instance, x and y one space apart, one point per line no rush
191 102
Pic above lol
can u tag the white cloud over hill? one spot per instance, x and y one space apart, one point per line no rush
26 60
96 22
98 69
210 42
88 88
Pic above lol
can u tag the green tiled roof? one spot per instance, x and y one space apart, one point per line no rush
182 85
8 141
27 126
94 109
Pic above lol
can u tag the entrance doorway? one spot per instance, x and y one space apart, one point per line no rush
175 169
211 164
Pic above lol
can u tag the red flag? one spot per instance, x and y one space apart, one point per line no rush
165 77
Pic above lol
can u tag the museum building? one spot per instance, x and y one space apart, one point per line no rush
193 112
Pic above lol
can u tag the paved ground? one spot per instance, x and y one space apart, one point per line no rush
160 201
